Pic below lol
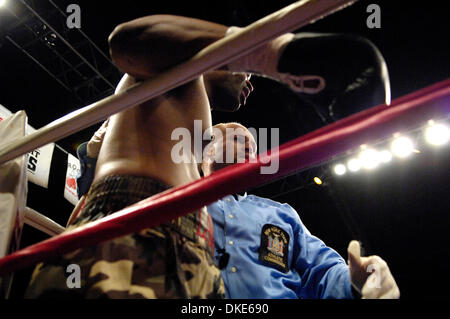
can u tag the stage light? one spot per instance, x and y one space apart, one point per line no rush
437 134
340 169
2 3
354 165
402 146
369 158
317 180
385 156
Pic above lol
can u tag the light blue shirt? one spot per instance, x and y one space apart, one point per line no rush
313 270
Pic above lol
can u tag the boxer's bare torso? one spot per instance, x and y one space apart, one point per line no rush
138 141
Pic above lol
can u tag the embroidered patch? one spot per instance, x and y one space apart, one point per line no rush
274 247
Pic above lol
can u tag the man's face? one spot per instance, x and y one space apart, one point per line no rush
231 143
227 91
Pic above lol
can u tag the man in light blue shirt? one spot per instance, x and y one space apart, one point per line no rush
265 251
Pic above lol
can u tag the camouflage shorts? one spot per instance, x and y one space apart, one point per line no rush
154 263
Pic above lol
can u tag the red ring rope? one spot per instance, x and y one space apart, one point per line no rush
311 149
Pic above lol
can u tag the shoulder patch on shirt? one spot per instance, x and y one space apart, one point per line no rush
274 247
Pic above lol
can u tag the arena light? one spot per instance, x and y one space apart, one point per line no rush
340 169
402 146
317 180
354 165
369 158
437 133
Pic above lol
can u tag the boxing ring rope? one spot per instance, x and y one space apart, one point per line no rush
213 56
380 122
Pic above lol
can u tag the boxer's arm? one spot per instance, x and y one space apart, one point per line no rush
351 70
149 45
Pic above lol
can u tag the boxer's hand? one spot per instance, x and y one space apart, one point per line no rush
370 276
94 144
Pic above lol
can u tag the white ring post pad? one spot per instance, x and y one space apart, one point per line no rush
13 183
13 190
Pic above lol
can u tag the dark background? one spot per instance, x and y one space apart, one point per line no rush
399 211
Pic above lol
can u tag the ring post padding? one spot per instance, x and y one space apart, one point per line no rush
13 190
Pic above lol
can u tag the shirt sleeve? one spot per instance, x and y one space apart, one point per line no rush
324 273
